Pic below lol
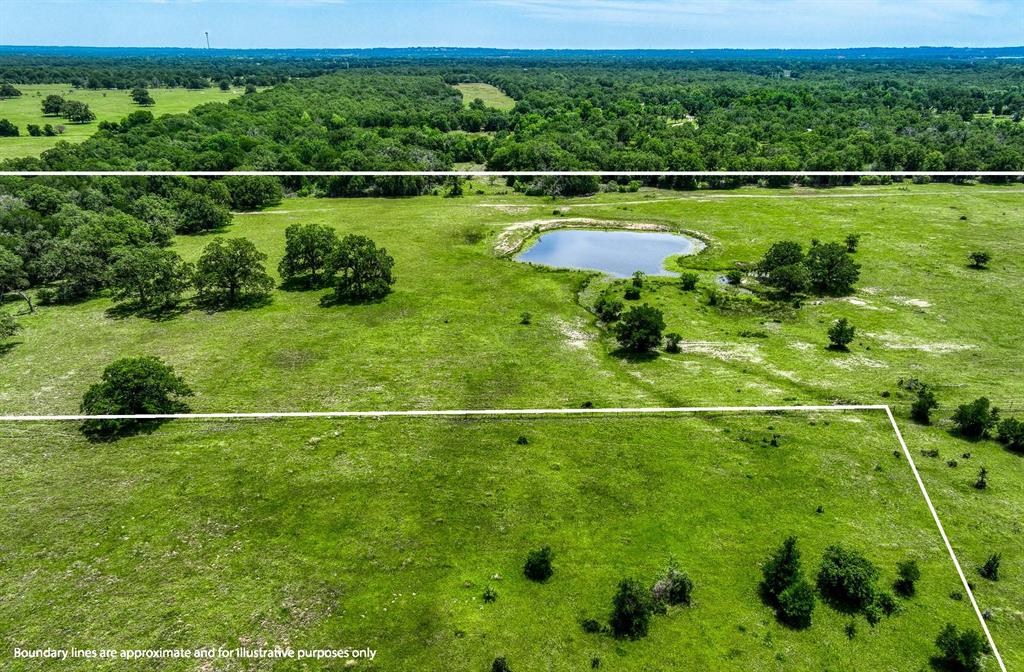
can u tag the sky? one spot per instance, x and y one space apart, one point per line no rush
523 24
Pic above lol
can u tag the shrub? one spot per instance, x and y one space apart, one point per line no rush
979 259
781 570
974 420
525 318
132 386
982 481
499 664
8 129
673 588
640 329
490 594
872 613
638 279
631 610
886 603
921 408
990 568
522 440
1011 434
852 241
840 334
847 577
538 565
908 574
590 625
631 294
608 310
796 604
672 342
8 326
960 650
688 281
734 276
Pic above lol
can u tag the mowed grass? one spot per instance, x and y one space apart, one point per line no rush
107 104
449 336
385 533
491 95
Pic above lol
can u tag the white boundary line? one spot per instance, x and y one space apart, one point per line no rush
510 173
566 411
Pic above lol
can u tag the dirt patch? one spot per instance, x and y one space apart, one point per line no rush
917 303
507 209
513 237
894 341
574 335
858 361
729 352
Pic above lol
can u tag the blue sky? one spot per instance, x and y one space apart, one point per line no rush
529 24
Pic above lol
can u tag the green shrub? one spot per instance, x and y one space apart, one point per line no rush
1011 434
886 603
734 276
960 651
907 573
631 610
974 420
500 665
852 241
990 568
638 279
631 294
688 281
840 334
490 594
672 341
673 588
538 564
796 604
608 310
847 577
982 481
781 570
640 329
921 408
979 259
590 625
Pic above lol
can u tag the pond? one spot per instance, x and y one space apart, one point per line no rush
617 253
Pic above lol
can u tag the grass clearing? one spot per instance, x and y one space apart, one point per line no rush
384 533
107 104
491 95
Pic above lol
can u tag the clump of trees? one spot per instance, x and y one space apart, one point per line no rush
785 588
640 328
961 650
827 268
976 419
132 386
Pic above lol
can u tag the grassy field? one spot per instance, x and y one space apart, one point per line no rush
450 337
491 95
107 104
385 534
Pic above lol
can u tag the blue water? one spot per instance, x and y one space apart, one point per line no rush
617 253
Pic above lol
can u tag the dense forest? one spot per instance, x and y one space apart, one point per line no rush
602 114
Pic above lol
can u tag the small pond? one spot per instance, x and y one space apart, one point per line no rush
617 253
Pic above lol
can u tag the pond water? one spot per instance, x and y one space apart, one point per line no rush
617 253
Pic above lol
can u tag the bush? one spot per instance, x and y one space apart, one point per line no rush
688 281
974 420
640 329
979 259
796 604
631 294
500 665
132 386
886 603
490 594
990 568
781 570
908 574
982 481
921 408
590 625
672 341
734 276
840 334
852 241
960 651
1011 434
831 269
631 610
847 577
673 588
8 326
608 310
538 565
638 279
8 129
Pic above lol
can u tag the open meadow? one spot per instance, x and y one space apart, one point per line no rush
385 533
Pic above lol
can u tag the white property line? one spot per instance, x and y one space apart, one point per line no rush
511 173
566 411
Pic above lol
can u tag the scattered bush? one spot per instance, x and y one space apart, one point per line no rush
522 440
640 329
590 625
1011 434
990 568
852 241
631 610
538 565
8 326
673 588
8 129
638 279
688 281
525 318
960 651
796 604
781 570
608 310
974 420
886 603
921 408
132 386
499 664
979 259
847 577
631 294
672 341
734 276
490 594
907 573
840 334
982 481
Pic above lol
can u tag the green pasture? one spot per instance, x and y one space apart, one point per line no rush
491 95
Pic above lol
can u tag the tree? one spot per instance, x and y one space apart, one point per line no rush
538 565
782 267
34 130
974 420
224 85
8 326
199 212
363 271
852 241
781 570
78 270
252 192
979 259
608 310
1011 434
8 129
640 328
149 276
840 334
990 569
631 610
500 665
141 96
907 573
8 90
77 112
13 278
688 281
796 604
921 408
982 481
308 249
133 386
638 279
847 577
831 269
53 104
231 271
961 650
673 588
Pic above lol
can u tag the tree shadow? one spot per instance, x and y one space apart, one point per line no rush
332 299
108 431
303 284
8 347
220 304
635 357
156 314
